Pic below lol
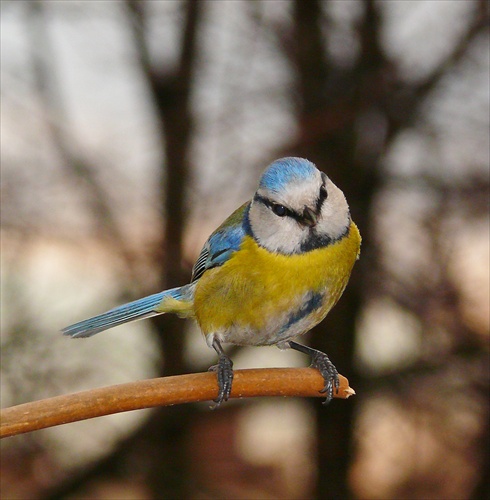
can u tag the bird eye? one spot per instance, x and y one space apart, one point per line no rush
279 210
323 192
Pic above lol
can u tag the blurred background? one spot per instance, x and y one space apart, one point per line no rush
131 129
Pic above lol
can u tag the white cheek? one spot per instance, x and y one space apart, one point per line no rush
286 238
335 218
277 234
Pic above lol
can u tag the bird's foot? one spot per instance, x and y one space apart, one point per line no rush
320 361
224 373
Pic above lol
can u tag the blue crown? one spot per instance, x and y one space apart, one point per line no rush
286 170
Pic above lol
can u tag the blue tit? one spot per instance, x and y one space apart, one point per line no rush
269 273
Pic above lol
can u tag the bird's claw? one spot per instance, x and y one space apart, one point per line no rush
330 375
224 373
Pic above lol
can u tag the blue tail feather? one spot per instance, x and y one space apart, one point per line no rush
138 309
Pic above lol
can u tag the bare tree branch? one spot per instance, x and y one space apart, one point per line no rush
303 382
170 91
475 27
75 163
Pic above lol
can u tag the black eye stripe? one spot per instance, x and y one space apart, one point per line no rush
277 208
322 196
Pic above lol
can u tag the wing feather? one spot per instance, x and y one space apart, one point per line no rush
221 245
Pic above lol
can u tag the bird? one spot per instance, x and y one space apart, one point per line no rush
268 274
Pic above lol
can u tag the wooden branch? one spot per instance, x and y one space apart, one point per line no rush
303 382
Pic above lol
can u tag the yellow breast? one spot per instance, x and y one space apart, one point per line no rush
248 297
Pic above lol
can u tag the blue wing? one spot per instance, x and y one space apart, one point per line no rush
222 243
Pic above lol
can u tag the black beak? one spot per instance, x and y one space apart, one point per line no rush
310 218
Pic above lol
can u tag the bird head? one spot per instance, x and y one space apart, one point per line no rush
297 208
